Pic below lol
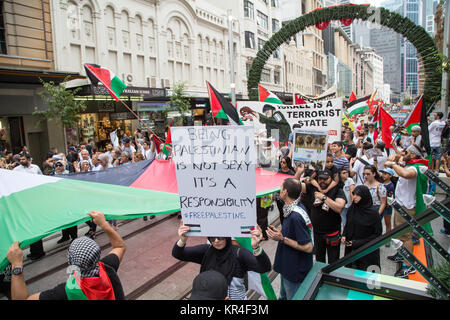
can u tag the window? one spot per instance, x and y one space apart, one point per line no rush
262 20
276 53
276 77
275 3
249 40
3 46
248 66
265 75
248 10
275 25
261 43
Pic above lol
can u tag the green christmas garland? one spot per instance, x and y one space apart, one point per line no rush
416 35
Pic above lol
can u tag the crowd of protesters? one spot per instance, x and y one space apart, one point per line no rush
322 210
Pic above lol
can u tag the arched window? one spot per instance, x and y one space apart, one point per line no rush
151 36
125 29
200 49
110 26
139 33
186 48
169 43
88 24
73 20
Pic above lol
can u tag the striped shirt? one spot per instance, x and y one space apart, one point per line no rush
341 162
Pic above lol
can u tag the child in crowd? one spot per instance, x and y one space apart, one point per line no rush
348 187
387 174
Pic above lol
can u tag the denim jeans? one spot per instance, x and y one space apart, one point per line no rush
344 216
288 288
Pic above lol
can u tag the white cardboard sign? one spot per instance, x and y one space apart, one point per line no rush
215 168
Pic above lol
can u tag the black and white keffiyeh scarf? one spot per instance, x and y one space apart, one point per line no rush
84 253
287 209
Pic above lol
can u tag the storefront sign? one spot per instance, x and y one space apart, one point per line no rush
121 116
132 91
106 106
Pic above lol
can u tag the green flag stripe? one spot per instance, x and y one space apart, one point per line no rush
34 213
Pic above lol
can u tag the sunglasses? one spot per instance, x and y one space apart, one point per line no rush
59 165
212 239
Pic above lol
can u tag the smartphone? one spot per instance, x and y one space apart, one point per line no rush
347 242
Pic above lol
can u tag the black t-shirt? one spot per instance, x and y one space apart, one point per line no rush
111 262
324 221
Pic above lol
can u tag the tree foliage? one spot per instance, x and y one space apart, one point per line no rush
61 102
179 101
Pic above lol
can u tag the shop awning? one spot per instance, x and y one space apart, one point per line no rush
29 76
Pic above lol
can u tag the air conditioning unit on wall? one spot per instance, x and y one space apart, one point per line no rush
129 79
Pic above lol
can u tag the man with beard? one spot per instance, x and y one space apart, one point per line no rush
325 213
37 248
26 165
409 194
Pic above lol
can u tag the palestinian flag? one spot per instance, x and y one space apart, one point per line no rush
372 103
418 117
259 282
298 99
267 96
167 143
352 97
112 83
358 106
98 288
221 108
35 206
386 122
376 118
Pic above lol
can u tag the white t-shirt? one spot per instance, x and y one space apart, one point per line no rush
405 191
435 129
358 167
349 182
31 169
149 155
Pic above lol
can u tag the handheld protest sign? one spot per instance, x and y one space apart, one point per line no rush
278 119
215 169
310 147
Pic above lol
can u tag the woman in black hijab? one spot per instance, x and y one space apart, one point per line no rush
363 225
228 259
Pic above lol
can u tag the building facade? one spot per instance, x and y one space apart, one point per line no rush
298 69
26 56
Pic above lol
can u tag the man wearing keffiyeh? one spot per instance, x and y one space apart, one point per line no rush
90 278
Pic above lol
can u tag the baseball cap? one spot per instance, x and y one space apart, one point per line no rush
415 128
57 157
388 171
72 149
324 174
125 140
209 285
